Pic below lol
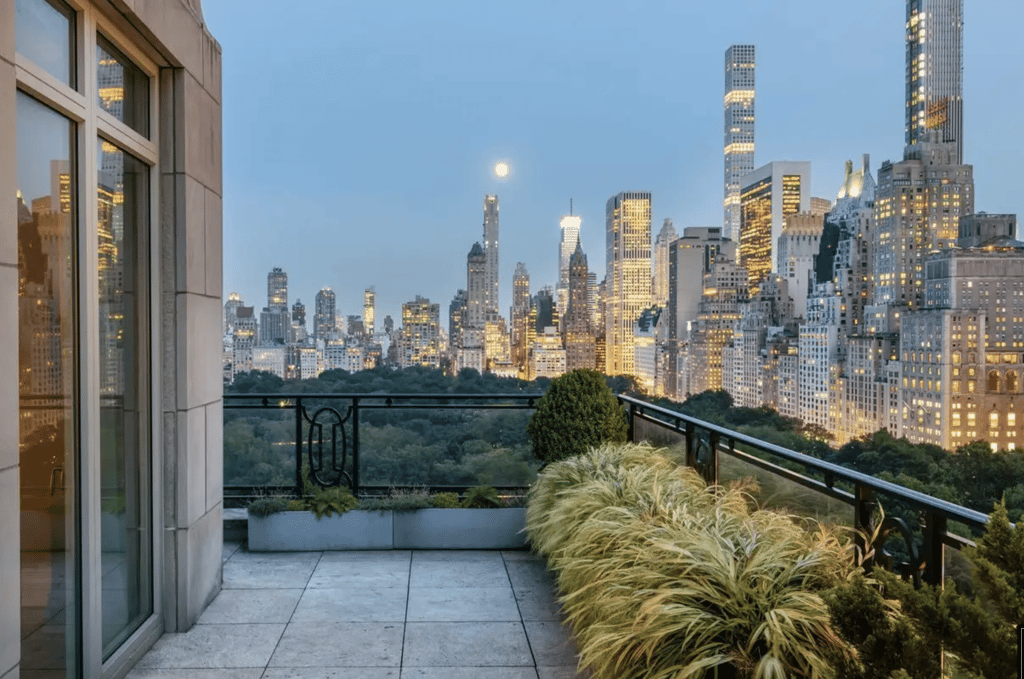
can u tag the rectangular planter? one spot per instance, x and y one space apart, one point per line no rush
461 529
301 532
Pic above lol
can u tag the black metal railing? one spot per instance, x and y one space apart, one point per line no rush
327 431
706 443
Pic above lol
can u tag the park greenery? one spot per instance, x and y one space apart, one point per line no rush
456 447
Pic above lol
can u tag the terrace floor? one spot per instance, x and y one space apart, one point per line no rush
371 615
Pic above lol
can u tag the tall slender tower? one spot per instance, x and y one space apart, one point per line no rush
570 226
659 283
324 320
935 84
369 309
277 289
628 275
491 252
739 130
520 316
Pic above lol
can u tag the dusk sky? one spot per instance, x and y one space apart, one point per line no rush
360 137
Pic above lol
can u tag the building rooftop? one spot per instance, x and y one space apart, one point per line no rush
395 614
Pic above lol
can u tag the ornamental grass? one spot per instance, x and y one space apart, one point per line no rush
662 577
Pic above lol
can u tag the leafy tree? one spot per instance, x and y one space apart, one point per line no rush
577 413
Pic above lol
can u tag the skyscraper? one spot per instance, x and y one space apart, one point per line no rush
471 353
659 283
769 194
369 309
935 88
628 275
739 130
570 227
324 320
491 252
277 289
577 332
520 317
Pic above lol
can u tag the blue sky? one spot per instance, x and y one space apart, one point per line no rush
360 137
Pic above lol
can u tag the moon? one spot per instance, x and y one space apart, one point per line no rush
501 169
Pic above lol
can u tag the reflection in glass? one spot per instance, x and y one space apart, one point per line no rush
123 88
45 33
47 389
122 228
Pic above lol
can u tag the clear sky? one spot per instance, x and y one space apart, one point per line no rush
360 137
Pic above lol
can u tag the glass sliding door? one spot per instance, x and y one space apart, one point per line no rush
123 220
48 391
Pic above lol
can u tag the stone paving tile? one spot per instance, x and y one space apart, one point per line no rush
251 605
266 574
529 574
521 555
376 556
465 573
229 549
466 644
456 555
221 673
332 673
354 604
568 672
536 605
215 646
362 573
469 673
339 644
551 643
462 604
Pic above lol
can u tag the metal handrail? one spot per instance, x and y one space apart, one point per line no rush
312 444
925 561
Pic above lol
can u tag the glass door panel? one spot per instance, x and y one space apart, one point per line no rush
122 228
47 386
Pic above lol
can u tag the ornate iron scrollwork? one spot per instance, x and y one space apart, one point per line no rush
329 472
913 566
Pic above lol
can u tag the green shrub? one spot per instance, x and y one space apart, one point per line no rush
445 501
398 501
268 505
577 413
661 576
482 497
330 501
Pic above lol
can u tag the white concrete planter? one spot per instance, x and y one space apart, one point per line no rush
300 531
461 529
420 529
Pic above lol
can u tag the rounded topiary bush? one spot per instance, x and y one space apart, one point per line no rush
578 412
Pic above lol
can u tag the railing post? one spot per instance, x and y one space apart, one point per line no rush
711 471
355 447
863 523
298 447
691 455
631 433
934 558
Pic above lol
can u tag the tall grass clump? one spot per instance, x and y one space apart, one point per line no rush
663 577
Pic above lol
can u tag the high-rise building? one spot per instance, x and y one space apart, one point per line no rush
419 340
918 206
934 74
491 251
690 258
577 331
739 130
798 248
277 289
520 315
659 282
324 320
456 322
369 310
628 272
768 194
570 229
471 352
231 311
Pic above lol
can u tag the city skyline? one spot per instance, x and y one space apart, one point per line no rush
422 185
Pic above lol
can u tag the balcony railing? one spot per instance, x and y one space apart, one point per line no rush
326 443
326 428
710 448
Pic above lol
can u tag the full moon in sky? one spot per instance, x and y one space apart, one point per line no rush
501 169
